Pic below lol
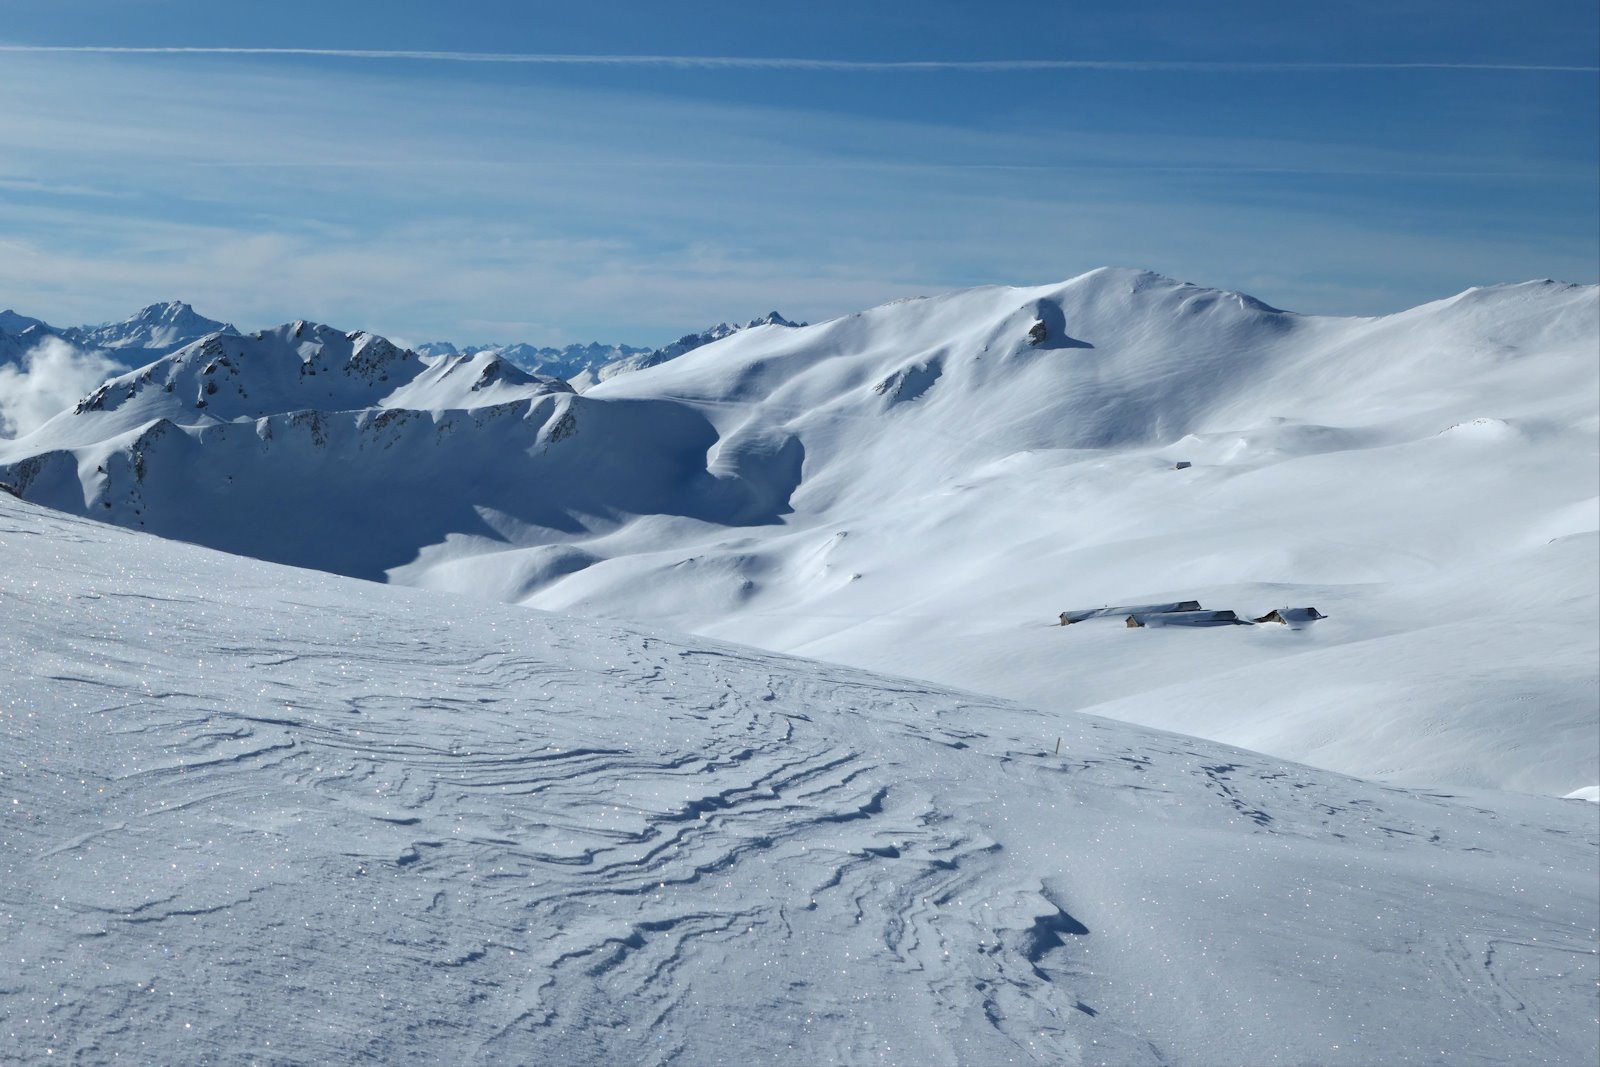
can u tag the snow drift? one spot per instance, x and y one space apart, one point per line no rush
260 813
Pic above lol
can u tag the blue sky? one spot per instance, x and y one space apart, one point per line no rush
1241 145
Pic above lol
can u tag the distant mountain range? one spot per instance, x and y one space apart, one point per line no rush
585 365
159 329
569 361
148 334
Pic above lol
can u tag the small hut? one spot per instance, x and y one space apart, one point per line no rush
1069 617
1222 617
1289 616
1182 465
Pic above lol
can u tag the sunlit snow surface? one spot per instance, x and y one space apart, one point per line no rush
920 489
259 814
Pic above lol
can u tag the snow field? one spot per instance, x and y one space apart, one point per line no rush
918 488
261 813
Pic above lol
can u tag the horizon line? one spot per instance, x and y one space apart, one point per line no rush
801 63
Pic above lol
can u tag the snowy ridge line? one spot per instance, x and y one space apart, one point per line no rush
84 361
800 63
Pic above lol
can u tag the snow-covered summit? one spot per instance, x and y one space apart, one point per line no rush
772 318
298 366
13 323
97 352
159 326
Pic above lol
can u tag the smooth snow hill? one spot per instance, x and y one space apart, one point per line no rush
922 487
682 346
261 814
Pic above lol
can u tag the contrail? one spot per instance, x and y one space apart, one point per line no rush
792 63
659 165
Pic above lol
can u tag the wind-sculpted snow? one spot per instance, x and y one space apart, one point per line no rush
256 814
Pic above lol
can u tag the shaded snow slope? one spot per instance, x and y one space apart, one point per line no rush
924 486
13 323
299 366
256 813
341 451
22 336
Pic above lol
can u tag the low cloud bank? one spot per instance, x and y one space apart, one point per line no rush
50 378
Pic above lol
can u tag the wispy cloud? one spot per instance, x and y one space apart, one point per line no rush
1109 167
459 205
50 377
796 63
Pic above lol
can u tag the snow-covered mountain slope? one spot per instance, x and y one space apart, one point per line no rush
682 346
584 365
922 487
21 334
313 447
146 335
296 367
157 329
15 345
13 323
44 369
1427 479
262 814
